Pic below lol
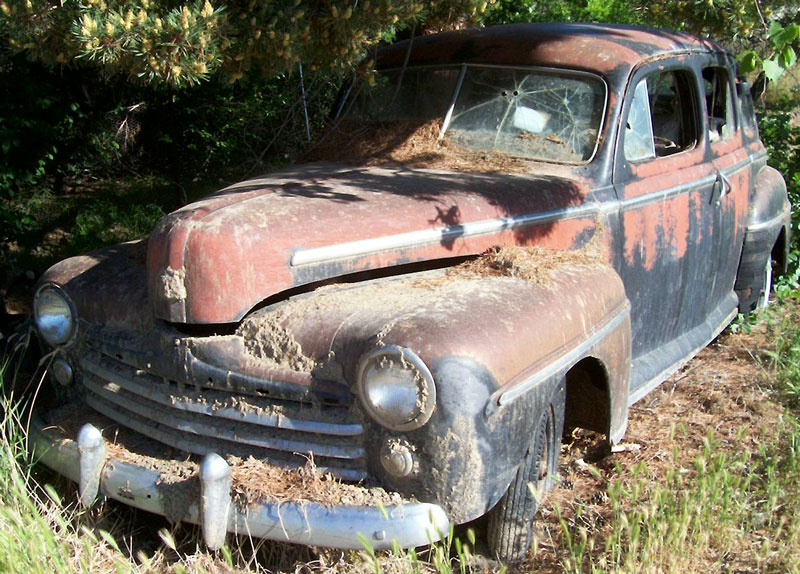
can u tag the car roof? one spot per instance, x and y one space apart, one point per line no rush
603 48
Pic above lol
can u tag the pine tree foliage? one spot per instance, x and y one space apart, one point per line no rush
182 43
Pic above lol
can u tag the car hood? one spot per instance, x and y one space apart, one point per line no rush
214 260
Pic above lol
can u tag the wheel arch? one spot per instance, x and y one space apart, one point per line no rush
588 399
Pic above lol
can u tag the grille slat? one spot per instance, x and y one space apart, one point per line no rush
170 437
202 425
200 420
211 402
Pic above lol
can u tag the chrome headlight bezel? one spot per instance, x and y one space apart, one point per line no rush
414 416
62 325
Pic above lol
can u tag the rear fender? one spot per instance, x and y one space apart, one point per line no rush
767 236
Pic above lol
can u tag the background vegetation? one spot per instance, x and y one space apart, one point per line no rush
117 111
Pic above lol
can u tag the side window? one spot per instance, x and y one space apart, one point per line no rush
748 109
719 104
639 143
662 119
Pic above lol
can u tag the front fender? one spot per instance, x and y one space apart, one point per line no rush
499 349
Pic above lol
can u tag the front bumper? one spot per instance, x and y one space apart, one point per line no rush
87 462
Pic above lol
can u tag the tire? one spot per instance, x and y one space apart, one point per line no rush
766 287
510 527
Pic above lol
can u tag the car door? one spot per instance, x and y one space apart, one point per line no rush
666 253
729 156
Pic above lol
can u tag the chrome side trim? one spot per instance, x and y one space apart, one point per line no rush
437 235
503 397
746 162
665 194
421 237
334 526
763 154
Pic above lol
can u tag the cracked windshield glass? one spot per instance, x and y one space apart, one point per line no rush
542 115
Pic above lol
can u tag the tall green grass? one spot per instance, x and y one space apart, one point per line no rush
736 511
39 534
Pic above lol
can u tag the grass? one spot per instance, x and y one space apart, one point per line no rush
722 509
736 512
38 533
717 508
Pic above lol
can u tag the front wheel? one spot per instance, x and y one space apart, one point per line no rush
510 528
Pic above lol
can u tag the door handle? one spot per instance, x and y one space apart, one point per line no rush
722 187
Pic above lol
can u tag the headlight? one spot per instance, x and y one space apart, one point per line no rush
396 388
54 315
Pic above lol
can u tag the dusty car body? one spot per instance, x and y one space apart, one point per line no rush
423 327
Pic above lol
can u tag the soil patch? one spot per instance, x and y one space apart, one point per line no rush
266 337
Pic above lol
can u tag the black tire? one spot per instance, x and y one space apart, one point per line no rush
510 528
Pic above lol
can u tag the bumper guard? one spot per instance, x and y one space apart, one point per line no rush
87 462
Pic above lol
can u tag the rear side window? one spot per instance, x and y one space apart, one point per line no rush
662 119
719 104
748 109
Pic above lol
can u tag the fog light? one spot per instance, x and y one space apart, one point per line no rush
62 372
396 458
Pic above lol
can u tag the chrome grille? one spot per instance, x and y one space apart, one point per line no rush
202 420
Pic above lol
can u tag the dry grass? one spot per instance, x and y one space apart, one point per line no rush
411 144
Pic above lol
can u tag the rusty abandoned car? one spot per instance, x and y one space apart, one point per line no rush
511 230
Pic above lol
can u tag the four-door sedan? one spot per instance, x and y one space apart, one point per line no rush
514 229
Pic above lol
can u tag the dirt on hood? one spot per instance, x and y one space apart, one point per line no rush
273 334
411 144
535 264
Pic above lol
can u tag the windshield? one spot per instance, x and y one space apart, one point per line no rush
537 114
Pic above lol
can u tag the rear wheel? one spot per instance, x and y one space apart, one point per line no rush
510 528
766 287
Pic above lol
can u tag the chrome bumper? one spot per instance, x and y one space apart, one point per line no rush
86 462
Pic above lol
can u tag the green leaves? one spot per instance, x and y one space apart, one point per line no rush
781 36
782 41
749 62
772 69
